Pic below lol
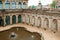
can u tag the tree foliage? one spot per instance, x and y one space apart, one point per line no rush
33 7
53 5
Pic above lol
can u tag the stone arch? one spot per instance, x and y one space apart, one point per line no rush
13 5
39 22
19 5
55 25
27 19
7 5
46 23
1 22
13 19
7 20
33 20
19 18
24 5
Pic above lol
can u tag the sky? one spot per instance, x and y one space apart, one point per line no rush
35 2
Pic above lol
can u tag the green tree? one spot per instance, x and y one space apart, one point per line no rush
53 5
33 7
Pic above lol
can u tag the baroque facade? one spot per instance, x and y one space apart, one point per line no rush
13 4
47 20
41 18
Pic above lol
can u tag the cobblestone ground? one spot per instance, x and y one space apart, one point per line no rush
48 35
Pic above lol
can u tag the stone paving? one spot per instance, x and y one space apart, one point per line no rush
47 34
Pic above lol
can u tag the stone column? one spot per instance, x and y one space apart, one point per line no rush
3 5
42 22
22 5
39 22
10 19
45 23
36 21
17 5
16 18
33 20
50 24
58 24
30 19
23 18
10 5
26 5
27 19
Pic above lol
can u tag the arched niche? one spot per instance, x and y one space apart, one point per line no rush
46 23
1 4
13 19
19 18
1 22
13 5
39 22
24 5
7 20
55 25
33 20
19 5
7 5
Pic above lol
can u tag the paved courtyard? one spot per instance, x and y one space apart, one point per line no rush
47 34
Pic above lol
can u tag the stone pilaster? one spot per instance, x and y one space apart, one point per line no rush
42 22
50 24
30 19
24 19
22 5
27 19
10 5
36 19
26 5
17 5
10 19
3 5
